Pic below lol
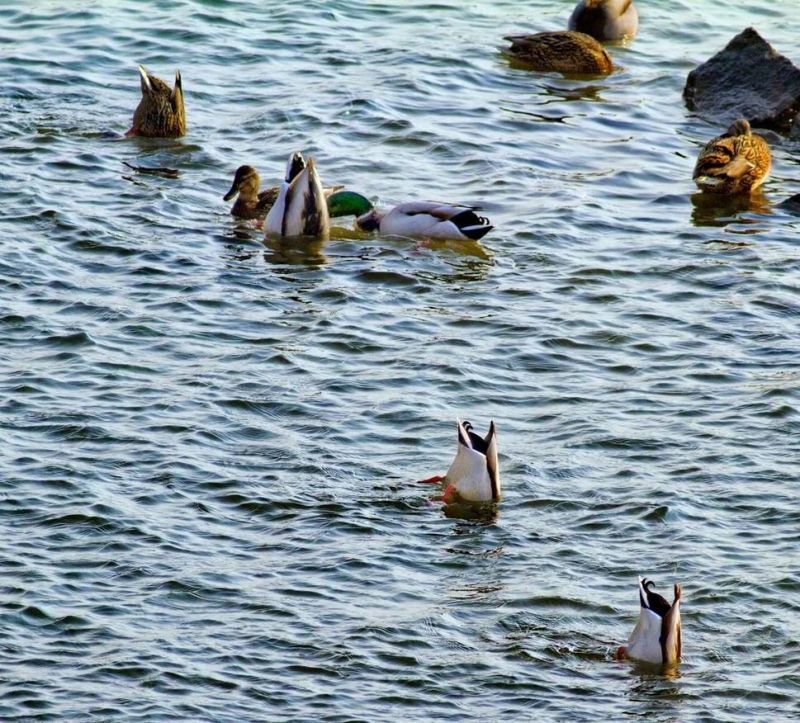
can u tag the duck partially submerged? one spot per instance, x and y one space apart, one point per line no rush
474 474
738 161
417 218
301 208
657 635
160 113
561 51
605 19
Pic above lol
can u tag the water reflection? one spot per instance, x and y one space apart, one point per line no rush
295 252
719 211
656 690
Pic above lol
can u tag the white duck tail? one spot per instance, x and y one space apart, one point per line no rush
474 472
657 635
301 208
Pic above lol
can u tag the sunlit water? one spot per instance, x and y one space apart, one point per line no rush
209 442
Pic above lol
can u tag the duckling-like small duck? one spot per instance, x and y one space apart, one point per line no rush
657 635
301 208
735 162
562 51
417 218
160 113
474 474
605 19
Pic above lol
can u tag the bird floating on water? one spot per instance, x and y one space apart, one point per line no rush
474 474
301 208
738 161
160 113
605 19
417 218
657 635
561 51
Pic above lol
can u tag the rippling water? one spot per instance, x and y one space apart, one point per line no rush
209 441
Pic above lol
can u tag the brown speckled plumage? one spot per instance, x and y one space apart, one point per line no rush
160 113
250 203
738 161
563 52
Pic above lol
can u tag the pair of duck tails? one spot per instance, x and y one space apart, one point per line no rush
657 636
160 113
301 208
735 162
577 50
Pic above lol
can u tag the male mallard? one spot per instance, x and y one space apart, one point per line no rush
251 203
417 218
301 208
160 113
562 51
474 475
605 19
735 162
657 635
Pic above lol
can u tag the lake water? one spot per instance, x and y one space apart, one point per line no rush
209 442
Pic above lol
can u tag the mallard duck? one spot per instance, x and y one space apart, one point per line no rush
735 162
254 204
605 19
160 113
562 51
417 218
301 208
474 474
657 635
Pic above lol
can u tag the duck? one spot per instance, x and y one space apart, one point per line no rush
657 636
605 19
561 51
474 474
417 218
300 208
160 113
252 203
738 161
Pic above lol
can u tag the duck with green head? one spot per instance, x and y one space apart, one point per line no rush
417 218
160 113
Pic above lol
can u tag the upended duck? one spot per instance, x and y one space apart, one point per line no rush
474 474
738 161
300 208
605 19
160 113
250 202
417 218
657 635
561 51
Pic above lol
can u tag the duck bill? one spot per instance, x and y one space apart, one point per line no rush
230 194
492 465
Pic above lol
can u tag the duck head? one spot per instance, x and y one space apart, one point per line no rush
349 203
246 181
657 635
160 113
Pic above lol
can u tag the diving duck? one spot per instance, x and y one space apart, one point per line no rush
657 635
562 51
474 475
301 208
735 162
605 19
417 218
160 113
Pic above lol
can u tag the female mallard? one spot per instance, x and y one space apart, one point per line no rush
605 19
563 51
301 208
250 202
417 218
474 475
160 113
657 635
735 162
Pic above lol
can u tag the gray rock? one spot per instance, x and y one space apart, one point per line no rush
747 79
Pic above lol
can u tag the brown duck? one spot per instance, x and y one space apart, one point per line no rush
735 162
605 19
562 51
160 112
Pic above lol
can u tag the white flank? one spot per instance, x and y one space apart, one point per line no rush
417 219
289 214
468 471
643 644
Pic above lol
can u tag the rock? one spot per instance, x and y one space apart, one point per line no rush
747 79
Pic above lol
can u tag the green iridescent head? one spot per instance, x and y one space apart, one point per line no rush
348 203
